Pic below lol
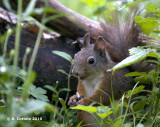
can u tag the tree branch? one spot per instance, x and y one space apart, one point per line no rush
72 25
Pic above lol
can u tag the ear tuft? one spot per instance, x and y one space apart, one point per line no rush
86 41
100 45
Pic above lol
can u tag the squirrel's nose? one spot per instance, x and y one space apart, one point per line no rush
74 71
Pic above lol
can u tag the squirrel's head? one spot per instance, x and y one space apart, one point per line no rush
92 59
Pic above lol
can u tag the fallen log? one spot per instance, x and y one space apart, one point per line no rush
72 25
46 64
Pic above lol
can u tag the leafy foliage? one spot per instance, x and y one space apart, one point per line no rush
147 25
136 55
64 55
93 3
28 101
37 92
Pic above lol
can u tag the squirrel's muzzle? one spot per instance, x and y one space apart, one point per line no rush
78 72
75 71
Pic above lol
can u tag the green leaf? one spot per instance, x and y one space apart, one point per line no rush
147 25
131 59
155 89
62 71
50 10
153 61
138 54
5 36
32 106
93 3
37 11
158 15
135 74
29 8
11 70
64 89
51 18
63 104
89 109
135 2
152 72
65 107
144 79
27 85
100 10
38 93
154 53
63 54
135 50
148 123
51 88
7 5
79 123
139 105
2 104
152 8
41 10
135 91
103 111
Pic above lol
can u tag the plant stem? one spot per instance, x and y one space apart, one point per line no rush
5 44
17 40
157 96
125 115
16 56
25 59
35 50
69 77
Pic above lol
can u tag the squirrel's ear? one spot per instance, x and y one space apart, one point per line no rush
86 41
100 45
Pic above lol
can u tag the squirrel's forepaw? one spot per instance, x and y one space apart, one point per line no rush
84 101
80 102
73 100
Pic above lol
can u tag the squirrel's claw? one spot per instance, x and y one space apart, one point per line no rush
75 100
72 101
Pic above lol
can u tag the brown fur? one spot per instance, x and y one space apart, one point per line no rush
122 35
93 76
107 51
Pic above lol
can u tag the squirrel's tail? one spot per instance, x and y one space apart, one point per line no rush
121 35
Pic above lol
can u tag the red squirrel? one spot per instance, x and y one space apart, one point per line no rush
90 65
93 61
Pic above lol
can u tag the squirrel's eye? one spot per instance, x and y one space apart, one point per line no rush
91 60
